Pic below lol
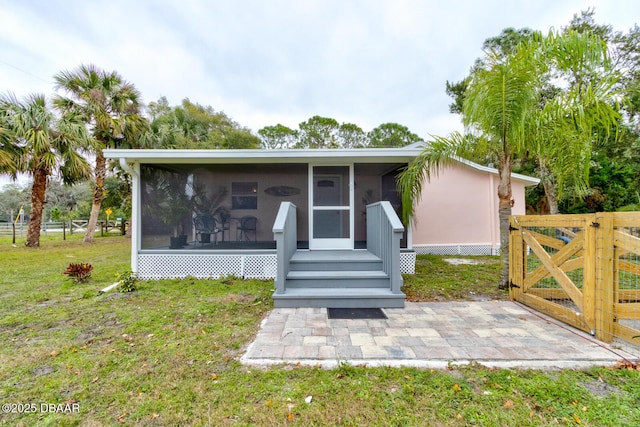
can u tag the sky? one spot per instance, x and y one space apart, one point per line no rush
269 62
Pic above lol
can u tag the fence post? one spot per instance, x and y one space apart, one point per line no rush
592 316
64 229
604 285
516 261
14 232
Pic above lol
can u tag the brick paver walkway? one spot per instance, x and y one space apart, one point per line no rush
434 334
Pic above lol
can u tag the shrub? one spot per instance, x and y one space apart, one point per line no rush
128 282
80 272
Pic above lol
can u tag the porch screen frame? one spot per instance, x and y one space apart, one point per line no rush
323 243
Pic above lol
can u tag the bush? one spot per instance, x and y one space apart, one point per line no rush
128 282
79 273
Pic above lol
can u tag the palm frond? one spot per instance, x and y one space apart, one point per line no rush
438 153
74 168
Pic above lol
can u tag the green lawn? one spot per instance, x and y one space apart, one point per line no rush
166 355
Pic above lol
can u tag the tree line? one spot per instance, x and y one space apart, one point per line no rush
52 140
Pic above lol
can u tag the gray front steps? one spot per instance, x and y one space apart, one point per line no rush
339 298
334 260
340 279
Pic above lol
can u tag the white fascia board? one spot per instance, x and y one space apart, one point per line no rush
359 155
362 155
528 180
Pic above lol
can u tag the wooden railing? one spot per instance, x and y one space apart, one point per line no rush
384 232
286 236
581 269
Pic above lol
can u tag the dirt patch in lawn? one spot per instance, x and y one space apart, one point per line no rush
601 389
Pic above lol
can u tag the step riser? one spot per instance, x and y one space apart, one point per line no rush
338 283
336 266
359 302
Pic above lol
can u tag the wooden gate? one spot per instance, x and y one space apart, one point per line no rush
581 269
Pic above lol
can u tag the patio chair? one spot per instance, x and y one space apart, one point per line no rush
223 222
205 225
247 224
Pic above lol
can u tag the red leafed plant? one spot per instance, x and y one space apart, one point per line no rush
80 272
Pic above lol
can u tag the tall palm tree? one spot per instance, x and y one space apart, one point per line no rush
44 144
502 110
111 108
501 93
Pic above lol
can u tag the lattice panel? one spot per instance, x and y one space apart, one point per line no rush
407 262
178 266
165 266
260 266
456 250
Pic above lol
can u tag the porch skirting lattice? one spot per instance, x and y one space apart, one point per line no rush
205 266
408 262
461 249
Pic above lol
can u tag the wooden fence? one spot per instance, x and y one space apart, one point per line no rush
581 269
65 227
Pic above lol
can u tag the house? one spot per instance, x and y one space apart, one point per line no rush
323 223
458 211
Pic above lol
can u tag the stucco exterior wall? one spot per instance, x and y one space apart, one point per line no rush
459 206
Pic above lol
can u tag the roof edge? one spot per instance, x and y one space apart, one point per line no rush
291 154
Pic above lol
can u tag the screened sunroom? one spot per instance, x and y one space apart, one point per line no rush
210 213
233 206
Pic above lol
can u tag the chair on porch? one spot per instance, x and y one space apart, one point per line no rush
205 225
247 224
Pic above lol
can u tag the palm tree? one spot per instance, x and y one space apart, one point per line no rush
111 108
503 112
44 144
8 148
578 116
498 100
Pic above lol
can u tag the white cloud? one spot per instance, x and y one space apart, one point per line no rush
364 61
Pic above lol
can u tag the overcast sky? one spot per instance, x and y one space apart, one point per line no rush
279 61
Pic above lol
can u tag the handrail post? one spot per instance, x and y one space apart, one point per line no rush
286 236
384 232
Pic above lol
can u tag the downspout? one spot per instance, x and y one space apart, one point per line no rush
135 210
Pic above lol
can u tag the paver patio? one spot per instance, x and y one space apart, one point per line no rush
431 335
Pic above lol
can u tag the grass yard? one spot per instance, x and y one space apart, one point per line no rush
439 280
166 355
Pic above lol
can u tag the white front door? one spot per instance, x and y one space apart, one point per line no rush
331 207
